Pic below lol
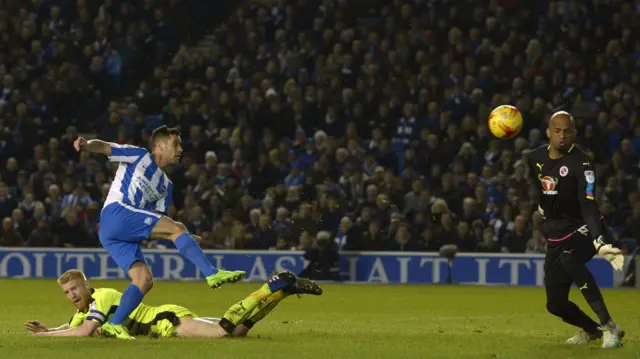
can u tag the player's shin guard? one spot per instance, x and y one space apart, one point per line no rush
130 300
240 311
190 249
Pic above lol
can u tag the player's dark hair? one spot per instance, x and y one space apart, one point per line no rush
163 133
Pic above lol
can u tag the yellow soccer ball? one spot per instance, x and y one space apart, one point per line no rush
505 122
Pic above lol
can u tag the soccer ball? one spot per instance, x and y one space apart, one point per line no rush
505 122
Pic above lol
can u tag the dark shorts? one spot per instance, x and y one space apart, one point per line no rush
566 260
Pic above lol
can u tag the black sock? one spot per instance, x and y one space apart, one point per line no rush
593 296
572 314
248 323
601 310
590 291
227 325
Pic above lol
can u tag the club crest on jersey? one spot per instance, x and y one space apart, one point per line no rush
564 171
548 184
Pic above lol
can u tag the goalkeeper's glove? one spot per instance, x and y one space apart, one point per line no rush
610 253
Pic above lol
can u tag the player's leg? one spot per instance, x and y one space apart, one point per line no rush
166 228
128 255
557 284
577 269
588 287
240 311
266 306
258 313
285 281
558 304
190 327
174 320
121 230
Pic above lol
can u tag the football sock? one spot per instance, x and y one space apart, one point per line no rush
190 249
264 308
280 281
590 291
575 316
130 300
593 296
601 310
240 311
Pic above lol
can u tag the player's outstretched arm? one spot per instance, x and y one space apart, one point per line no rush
93 146
85 330
35 326
64 326
115 152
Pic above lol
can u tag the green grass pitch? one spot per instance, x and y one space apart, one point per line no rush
348 321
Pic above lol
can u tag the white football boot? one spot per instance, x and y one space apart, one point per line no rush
612 335
584 337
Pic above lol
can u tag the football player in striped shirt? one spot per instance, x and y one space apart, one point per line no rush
132 212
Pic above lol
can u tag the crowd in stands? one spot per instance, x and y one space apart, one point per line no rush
354 125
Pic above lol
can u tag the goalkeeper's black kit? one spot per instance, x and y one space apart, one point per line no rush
571 217
567 194
571 221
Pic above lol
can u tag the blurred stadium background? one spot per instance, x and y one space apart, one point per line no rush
331 136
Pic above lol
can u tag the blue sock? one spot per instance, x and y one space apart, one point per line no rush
190 249
131 299
276 284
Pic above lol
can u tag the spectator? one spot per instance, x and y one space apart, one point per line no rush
7 202
373 239
71 232
465 239
198 223
264 237
19 222
348 236
305 242
222 233
281 225
41 236
10 237
332 215
515 241
537 243
446 233
323 259
401 240
304 221
489 243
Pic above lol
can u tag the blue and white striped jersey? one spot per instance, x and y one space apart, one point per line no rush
139 182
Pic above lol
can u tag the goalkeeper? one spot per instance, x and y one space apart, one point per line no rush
96 306
575 230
